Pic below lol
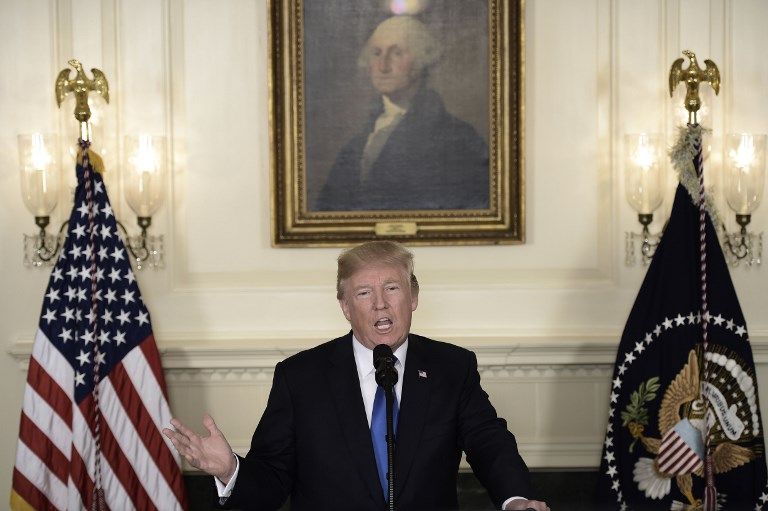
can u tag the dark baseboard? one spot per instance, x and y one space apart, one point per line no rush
572 490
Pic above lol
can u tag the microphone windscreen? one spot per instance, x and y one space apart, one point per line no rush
381 352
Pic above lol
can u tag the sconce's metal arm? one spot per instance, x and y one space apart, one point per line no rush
137 248
43 251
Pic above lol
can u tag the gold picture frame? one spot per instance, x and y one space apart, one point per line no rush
323 74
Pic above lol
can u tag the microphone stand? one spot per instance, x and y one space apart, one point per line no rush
389 394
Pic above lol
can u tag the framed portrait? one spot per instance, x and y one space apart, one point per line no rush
396 119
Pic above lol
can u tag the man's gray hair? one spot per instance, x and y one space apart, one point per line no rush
374 253
416 36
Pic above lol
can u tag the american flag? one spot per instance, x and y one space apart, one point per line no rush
95 400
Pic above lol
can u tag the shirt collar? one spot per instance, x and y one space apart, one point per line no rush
364 357
391 109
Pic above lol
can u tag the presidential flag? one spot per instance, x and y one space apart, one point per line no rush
95 400
677 402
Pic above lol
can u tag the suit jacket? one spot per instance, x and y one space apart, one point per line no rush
313 442
432 160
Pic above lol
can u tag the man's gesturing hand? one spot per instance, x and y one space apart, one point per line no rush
211 454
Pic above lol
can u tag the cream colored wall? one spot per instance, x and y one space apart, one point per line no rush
544 317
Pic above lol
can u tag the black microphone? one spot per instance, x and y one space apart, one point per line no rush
384 362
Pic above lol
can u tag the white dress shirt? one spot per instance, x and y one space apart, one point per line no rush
366 373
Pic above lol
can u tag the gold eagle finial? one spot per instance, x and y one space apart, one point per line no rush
693 75
81 85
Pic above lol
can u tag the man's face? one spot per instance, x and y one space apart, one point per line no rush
391 62
379 303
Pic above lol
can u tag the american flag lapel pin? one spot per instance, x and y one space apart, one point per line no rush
422 374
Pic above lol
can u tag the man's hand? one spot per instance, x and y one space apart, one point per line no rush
211 454
523 504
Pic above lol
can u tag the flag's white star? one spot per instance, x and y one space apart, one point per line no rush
611 470
730 324
679 320
718 320
648 338
85 273
84 357
117 254
103 254
128 296
129 276
87 337
609 429
53 295
123 317
72 273
657 330
80 294
615 484
740 331
691 318
107 210
83 209
119 338
707 316
114 275
105 232
97 295
623 505
107 316
49 316
103 337
614 397
70 293
99 274
639 347
622 368
65 335
110 296
764 498
56 274
78 314
75 252
608 456
99 187
91 316
88 252
608 441
629 357
667 323
142 318
79 231
99 359
617 383
79 378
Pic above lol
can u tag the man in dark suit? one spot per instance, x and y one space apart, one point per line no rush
314 441
411 143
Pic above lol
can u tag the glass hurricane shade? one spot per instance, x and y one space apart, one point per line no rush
744 171
144 173
39 172
643 172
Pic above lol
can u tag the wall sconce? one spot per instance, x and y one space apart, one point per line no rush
144 186
40 181
143 183
744 179
644 178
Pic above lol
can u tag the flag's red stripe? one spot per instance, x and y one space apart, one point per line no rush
120 464
79 474
147 431
149 348
30 493
39 379
39 443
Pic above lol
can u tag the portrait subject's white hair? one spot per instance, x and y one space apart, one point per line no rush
415 35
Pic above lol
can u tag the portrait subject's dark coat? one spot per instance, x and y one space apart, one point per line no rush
313 442
432 160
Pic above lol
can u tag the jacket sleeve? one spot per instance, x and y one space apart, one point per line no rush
491 449
266 473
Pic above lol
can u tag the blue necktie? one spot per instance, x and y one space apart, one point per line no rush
379 433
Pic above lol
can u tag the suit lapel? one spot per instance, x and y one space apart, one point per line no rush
413 411
344 385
